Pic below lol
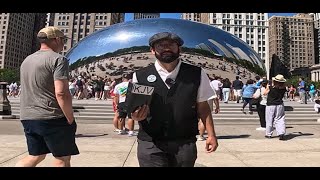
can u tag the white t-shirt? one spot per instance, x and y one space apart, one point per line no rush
121 90
316 106
205 91
215 84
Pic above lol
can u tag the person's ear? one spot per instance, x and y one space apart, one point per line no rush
152 51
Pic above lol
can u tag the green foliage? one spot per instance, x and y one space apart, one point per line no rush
9 75
295 81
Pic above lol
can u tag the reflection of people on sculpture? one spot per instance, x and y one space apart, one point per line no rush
168 136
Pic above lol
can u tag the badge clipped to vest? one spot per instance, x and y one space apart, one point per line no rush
151 78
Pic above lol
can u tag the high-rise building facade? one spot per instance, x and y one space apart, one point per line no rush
50 19
292 40
18 40
252 28
146 15
76 26
197 17
316 20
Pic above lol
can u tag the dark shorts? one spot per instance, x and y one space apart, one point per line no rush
122 110
54 136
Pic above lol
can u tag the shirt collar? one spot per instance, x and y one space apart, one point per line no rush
159 68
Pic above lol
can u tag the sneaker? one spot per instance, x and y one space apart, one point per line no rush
122 132
282 137
250 112
116 130
268 137
260 129
201 138
132 133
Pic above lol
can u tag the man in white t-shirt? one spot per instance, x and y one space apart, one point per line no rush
216 85
120 92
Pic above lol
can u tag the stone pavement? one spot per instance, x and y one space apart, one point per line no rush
240 145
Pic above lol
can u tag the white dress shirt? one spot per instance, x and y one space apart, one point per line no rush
205 91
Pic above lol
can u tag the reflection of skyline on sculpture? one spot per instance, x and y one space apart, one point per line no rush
133 36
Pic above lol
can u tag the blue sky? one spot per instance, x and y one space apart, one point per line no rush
129 16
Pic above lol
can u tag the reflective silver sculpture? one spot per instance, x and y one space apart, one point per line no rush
124 47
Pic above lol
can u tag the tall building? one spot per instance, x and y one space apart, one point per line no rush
292 40
197 17
50 19
18 40
76 26
252 28
39 23
146 15
316 20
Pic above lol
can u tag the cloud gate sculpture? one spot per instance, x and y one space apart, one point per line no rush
124 48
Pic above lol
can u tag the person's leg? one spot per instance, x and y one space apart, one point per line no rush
236 95
250 105
224 91
312 96
201 131
30 161
131 127
186 155
63 161
279 120
121 118
259 109
227 94
263 116
37 146
245 102
115 121
303 97
239 91
270 114
97 94
149 155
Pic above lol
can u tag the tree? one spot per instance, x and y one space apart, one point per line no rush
9 75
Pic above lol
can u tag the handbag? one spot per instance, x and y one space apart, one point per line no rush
256 101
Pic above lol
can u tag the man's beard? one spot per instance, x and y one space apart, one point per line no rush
167 58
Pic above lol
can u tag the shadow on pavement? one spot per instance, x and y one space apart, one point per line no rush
89 135
296 134
288 108
234 136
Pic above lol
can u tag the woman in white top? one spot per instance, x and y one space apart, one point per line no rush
261 107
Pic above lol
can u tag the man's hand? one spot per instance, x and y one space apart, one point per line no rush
141 113
211 144
217 110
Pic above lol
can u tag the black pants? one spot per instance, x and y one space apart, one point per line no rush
178 153
262 114
247 101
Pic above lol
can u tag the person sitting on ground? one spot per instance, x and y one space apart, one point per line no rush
317 106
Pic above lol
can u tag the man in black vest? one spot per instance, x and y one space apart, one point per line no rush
168 127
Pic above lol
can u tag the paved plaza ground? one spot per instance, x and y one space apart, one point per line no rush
240 145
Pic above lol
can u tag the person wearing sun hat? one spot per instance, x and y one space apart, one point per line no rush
275 114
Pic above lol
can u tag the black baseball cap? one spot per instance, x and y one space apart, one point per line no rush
165 35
